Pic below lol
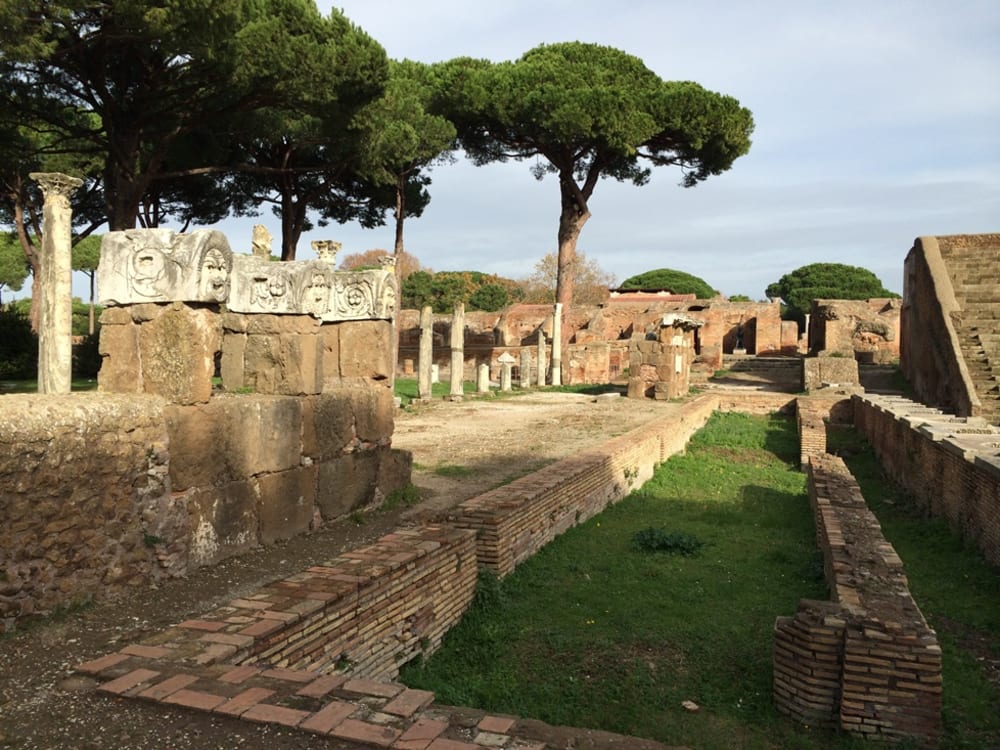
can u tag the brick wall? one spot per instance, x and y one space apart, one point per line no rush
866 662
949 465
516 520
368 611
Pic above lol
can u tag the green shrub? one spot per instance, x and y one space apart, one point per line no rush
652 539
18 345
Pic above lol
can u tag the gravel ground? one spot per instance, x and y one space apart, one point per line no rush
44 705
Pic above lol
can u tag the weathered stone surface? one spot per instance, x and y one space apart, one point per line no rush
198 442
161 265
287 364
177 354
347 483
395 470
232 366
223 522
258 431
281 324
119 348
820 372
373 408
285 503
327 425
366 350
61 538
329 335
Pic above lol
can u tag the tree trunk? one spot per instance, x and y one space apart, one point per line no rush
33 256
571 221
400 215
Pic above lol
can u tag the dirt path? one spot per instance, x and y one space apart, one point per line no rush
44 705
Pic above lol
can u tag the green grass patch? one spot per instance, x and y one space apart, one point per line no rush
406 389
592 632
405 497
452 470
31 386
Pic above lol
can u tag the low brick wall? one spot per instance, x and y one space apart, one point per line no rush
813 413
515 521
949 465
754 402
366 612
100 491
866 662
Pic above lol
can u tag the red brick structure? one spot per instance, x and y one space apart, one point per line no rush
867 662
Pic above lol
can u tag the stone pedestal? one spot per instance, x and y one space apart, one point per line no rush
525 368
55 336
483 378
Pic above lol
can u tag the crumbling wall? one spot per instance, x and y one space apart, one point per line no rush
950 465
867 662
867 330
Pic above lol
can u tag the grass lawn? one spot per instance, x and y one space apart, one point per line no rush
31 386
594 632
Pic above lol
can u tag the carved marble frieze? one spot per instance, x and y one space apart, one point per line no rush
160 265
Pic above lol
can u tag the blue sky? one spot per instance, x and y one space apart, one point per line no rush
876 122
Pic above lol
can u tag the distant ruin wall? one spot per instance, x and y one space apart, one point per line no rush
949 465
867 662
101 491
930 352
515 521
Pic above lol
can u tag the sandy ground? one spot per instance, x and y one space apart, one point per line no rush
44 705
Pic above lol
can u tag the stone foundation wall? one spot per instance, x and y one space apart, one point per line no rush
866 662
515 521
949 465
101 491
78 495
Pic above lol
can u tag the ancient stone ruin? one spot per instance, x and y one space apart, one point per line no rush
241 401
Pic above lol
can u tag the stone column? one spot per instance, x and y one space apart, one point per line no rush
541 357
557 345
525 367
505 384
458 352
55 334
426 356
483 378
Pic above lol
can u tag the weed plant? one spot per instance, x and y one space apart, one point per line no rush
592 632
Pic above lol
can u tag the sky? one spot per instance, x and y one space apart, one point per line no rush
876 122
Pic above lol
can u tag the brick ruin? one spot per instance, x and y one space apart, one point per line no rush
865 661
181 473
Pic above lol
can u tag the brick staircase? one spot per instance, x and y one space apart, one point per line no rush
776 371
975 277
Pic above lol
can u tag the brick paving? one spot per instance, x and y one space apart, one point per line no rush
368 712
